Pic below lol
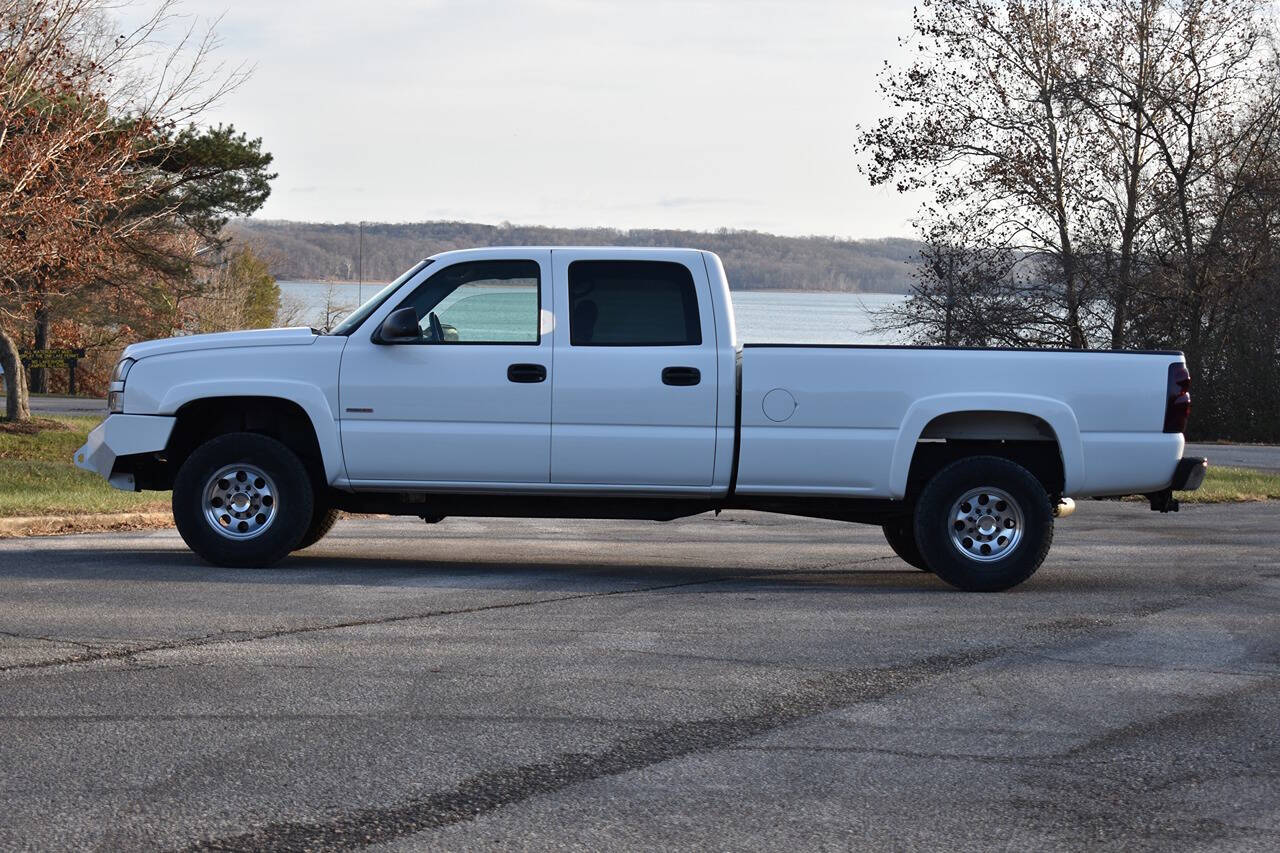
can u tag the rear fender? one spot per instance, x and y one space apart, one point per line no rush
1055 413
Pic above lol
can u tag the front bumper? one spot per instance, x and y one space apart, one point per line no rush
119 436
1187 477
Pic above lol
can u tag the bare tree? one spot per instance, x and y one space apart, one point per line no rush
334 309
987 119
1124 152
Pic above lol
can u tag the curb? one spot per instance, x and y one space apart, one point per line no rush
52 525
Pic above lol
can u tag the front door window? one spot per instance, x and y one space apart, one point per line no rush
482 302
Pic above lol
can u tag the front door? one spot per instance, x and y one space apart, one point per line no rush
468 402
634 395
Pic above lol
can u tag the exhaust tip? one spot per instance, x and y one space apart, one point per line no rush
1065 507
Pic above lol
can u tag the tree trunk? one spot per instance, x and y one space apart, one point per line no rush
1067 257
39 375
1128 238
17 407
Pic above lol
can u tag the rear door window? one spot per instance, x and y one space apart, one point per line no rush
632 303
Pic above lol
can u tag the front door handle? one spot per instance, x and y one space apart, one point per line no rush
526 373
681 376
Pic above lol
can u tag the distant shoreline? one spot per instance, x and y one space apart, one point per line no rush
346 283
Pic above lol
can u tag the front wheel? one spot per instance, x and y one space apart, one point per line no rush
984 524
322 520
242 499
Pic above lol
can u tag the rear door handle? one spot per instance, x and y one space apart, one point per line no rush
526 373
681 376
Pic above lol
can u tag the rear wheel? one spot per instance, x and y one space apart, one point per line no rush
984 524
901 536
242 499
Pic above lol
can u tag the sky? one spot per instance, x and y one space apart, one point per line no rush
694 114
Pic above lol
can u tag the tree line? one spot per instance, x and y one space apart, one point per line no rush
1097 174
755 261
113 196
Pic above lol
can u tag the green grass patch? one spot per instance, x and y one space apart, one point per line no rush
38 478
1231 485
45 445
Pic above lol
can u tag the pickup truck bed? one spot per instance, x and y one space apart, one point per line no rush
867 407
533 381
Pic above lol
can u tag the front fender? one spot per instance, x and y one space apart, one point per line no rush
310 398
1055 413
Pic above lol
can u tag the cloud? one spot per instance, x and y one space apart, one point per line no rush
664 113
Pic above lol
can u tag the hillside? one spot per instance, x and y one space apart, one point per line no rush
754 261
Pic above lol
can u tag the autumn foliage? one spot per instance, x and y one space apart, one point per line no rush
111 198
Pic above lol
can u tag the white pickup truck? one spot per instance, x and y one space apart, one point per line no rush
610 383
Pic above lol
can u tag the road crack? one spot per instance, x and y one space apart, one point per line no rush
94 654
486 792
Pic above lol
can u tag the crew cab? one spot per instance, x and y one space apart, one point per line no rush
610 383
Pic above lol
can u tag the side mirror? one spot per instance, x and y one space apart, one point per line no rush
400 327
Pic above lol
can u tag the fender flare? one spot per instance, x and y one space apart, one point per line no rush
1057 414
308 397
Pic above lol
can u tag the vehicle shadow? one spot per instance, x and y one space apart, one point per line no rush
571 574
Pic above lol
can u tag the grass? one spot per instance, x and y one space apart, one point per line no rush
37 477
1233 485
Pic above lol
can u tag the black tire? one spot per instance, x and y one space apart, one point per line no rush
901 536
322 520
287 493
973 563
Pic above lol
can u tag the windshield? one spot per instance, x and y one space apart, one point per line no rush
358 316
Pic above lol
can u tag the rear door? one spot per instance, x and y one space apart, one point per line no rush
634 388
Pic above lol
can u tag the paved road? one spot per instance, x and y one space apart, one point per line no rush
1260 457
740 682
53 404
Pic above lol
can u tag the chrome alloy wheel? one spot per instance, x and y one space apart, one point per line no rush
240 501
986 524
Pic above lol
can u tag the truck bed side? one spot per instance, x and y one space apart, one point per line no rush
847 420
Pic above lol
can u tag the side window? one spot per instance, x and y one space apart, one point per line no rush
481 302
632 303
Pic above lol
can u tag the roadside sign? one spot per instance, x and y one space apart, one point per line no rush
53 359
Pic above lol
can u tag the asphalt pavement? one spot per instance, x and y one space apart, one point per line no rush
55 404
737 682
1260 457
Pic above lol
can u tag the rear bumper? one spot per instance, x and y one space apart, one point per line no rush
122 435
1187 477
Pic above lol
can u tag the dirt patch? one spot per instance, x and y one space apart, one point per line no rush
32 427
53 525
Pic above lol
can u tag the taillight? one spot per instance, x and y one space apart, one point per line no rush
1178 408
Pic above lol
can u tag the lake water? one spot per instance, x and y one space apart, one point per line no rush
763 317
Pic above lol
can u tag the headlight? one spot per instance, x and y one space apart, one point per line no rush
122 369
115 394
